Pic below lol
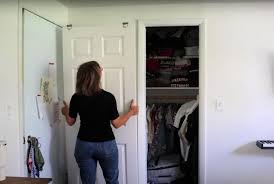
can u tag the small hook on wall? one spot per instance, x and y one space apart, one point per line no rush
69 26
125 24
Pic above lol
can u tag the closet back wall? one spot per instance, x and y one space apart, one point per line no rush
239 56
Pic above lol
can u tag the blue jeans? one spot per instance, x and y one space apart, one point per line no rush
88 153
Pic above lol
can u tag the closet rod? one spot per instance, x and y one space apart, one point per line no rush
170 99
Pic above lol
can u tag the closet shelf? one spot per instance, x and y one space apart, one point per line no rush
172 88
172 57
186 57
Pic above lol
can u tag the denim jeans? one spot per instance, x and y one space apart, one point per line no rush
88 153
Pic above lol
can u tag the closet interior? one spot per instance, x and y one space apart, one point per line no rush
172 86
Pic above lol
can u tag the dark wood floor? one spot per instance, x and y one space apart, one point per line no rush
22 180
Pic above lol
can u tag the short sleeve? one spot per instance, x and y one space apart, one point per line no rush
113 108
73 110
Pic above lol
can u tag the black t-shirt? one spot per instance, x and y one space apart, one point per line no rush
95 112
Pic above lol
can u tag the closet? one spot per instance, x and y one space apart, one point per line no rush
172 86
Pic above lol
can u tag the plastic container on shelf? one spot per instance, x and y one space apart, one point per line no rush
192 51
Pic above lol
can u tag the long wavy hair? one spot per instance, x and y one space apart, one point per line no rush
88 78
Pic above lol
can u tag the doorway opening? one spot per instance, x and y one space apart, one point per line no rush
172 72
171 56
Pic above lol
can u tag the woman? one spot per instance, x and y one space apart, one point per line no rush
96 108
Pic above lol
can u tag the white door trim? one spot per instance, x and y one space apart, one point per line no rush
141 81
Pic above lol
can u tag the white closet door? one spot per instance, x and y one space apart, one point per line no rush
114 47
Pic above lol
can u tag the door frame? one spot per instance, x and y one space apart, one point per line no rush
141 92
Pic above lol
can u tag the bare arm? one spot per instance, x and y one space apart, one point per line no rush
65 111
121 120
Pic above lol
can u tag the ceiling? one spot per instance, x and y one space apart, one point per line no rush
100 3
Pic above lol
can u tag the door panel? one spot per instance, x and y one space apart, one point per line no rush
114 47
114 74
82 47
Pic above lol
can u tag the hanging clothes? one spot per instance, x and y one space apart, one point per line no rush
184 111
35 160
157 127
192 136
149 125
160 132
163 157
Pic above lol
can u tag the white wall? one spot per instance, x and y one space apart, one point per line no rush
10 66
239 69
9 124
49 9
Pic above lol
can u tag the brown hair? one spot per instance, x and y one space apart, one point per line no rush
88 78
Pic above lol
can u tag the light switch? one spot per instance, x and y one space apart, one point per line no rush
10 111
219 104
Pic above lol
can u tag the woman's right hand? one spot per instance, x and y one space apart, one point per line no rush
134 108
121 120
